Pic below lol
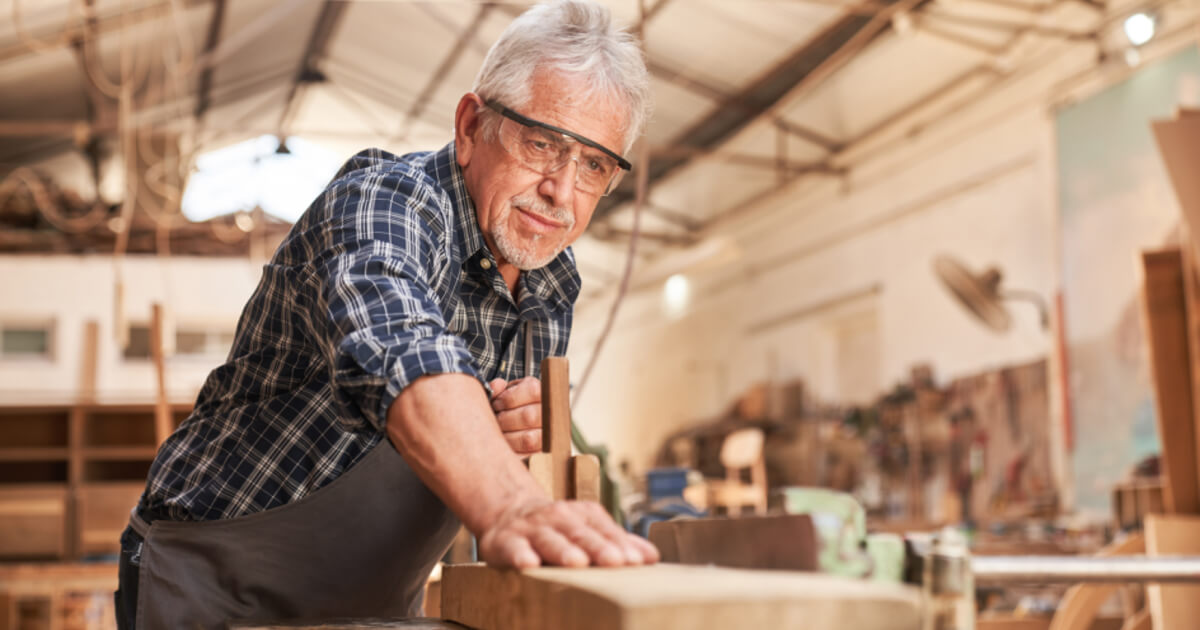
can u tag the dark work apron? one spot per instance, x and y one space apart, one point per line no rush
361 546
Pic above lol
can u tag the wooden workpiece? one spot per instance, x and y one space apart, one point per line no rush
560 474
556 421
670 597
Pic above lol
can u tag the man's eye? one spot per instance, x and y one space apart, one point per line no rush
540 146
598 166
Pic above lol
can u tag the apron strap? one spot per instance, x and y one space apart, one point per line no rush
138 524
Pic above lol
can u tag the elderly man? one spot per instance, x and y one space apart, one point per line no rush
374 398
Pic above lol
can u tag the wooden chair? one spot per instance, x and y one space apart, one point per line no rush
742 449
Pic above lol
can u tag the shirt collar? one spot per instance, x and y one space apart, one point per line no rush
558 282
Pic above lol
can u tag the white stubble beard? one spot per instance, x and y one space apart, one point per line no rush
524 256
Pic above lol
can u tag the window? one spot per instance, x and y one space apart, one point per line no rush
26 341
192 341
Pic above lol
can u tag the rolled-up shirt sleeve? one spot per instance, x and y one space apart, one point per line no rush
385 327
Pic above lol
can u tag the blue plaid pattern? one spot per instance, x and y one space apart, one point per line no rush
383 280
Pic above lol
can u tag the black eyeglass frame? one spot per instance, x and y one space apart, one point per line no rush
529 122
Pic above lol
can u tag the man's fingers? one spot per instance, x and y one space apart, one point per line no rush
602 551
498 386
518 393
649 551
520 419
511 551
627 543
555 548
524 442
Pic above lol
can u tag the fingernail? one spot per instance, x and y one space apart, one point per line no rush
527 560
633 556
575 558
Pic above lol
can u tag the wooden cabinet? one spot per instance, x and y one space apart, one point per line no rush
69 474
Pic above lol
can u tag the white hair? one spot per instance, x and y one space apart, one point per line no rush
572 37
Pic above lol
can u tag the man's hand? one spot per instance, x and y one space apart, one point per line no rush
563 533
446 431
518 408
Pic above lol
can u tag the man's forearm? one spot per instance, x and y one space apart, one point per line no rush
444 427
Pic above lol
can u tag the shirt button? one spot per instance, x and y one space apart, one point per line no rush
485 263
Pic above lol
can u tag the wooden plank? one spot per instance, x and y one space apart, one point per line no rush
1165 319
671 597
585 478
75 430
1179 143
755 542
1173 605
556 420
1191 291
87 367
163 422
1081 602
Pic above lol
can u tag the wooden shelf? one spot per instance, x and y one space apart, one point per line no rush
119 453
34 454
69 475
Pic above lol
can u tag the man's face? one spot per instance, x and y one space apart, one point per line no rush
528 218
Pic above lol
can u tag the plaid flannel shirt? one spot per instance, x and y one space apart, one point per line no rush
385 278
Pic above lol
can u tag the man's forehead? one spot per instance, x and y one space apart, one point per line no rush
569 102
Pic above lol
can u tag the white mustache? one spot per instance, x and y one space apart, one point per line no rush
541 208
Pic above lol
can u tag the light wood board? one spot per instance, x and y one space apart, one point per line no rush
671 597
1173 606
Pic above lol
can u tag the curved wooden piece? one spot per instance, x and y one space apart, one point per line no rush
1079 606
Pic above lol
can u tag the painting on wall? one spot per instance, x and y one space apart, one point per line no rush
1114 201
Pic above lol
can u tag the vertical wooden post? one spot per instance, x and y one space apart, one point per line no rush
88 360
162 410
1191 303
556 420
76 427
1165 320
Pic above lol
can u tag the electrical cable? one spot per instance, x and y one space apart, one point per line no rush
639 202
35 44
46 206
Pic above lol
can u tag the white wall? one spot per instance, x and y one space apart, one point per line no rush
74 289
977 183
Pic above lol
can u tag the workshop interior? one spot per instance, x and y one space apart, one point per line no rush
893 323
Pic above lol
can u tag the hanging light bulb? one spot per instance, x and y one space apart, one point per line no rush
1139 28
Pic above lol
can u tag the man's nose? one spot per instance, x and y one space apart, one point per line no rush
559 185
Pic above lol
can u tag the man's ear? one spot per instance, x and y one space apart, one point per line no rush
467 133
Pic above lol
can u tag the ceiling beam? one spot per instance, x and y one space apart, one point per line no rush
443 70
318 44
756 99
204 84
